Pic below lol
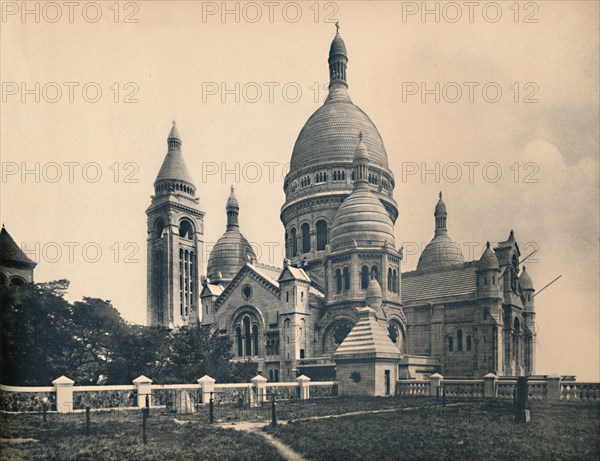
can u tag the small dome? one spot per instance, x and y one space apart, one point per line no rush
441 252
525 280
488 259
361 219
231 252
374 289
337 47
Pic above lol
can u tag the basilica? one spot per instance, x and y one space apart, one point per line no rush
456 317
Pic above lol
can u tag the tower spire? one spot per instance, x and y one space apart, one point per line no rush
233 210
174 140
361 164
440 217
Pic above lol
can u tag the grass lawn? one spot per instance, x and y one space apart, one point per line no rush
118 436
473 431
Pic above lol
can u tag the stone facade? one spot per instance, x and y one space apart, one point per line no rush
457 317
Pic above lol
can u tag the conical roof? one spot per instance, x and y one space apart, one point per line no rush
368 337
10 252
488 259
173 167
525 280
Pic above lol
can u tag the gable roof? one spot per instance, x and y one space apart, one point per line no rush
258 273
293 273
211 289
458 280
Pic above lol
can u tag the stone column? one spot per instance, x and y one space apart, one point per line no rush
553 387
260 386
489 386
304 383
63 389
435 381
143 385
208 386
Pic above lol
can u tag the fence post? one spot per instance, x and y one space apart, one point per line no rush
304 383
144 388
273 411
490 389
144 425
87 420
260 384
63 387
435 381
553 387
522 413
208 387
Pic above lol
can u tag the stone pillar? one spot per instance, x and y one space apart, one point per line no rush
435 381
63 388
260 386
208 386
490 389
304 383
553 387
143 385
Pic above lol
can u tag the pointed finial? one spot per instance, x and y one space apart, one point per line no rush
231 188
360 136
337 28
487 245
440 195
174 122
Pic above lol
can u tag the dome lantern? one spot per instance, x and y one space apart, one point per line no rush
338 60
233 210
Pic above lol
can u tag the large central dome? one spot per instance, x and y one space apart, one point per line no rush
330 135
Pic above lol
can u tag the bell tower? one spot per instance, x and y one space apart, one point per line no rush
175 240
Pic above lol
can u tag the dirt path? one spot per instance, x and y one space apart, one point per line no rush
257 428
287 452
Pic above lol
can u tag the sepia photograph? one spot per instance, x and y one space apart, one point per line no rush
299 230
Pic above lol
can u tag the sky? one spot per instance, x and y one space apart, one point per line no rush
497 107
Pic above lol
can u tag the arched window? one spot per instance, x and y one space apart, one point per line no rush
238 338
375 273
255 340
390 283
338 281
287 246
305 228
159 225
321 235
247 336
459 338
3 279
17 282
517 332
468 343
186 230
346 278
364 277
294 242
395 286
450 344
